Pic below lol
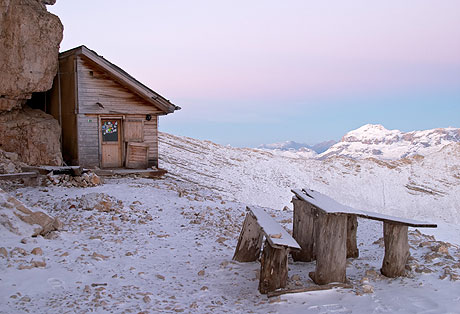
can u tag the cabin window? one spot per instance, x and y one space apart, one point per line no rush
110 131
91 73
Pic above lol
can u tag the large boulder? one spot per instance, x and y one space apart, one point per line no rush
29 49
33 135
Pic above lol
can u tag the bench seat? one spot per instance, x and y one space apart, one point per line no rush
278 242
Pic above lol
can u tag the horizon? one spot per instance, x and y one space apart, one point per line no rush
303 72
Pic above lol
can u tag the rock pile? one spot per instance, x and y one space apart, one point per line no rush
88 179
9 162
94 201
16 218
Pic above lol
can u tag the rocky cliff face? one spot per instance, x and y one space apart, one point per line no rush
29 47
33 135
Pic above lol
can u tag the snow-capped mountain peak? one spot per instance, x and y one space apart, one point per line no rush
374 140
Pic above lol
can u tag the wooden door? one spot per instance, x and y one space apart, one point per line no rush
111 143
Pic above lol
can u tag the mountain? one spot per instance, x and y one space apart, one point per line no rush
323 146
301 147
373 140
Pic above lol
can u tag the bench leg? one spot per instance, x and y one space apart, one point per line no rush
331 249
303 231
249 242
352 228
273 268
396 249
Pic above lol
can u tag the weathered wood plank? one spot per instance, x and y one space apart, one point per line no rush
328 205
331 249
309 289
273 268
396 250
352 228
304 231
18 175
250 241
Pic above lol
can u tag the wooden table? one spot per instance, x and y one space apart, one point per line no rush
326 231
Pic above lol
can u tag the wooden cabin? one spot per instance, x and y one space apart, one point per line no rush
108 118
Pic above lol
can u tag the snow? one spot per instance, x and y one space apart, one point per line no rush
274 232
169 249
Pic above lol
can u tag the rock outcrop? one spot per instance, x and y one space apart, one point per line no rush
33 135
16 218
29 48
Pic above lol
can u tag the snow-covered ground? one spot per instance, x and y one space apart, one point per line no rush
168 246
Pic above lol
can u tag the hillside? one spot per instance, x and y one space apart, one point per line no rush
409 187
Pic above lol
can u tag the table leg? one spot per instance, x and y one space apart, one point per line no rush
303 231
249 242
331 249
273 268
396 249
352 228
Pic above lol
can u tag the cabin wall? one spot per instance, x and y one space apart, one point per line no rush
151 138
88 140
101 96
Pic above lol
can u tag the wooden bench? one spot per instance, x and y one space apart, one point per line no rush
326 231
274 261
29 178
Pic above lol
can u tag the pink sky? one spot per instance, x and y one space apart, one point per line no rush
295 54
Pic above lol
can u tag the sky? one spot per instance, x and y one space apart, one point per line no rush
252 72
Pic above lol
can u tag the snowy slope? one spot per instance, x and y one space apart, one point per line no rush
373 140
409 187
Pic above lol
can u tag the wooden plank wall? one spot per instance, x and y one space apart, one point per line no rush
94 86
88 139
151 138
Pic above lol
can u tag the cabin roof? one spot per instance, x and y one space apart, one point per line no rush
122 77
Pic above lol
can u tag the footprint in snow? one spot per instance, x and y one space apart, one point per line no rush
56 283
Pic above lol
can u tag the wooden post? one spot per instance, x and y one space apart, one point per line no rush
273 268
352 228
249 242
303 230
396 249
331 249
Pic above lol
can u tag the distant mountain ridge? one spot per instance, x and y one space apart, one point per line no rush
374 140
292 145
